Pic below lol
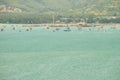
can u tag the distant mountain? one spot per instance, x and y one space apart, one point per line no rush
88 6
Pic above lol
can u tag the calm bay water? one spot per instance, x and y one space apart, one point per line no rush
41 54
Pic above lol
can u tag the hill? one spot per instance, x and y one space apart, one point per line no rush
41 11
62 5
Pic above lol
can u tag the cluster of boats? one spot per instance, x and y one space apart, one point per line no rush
14 28
66 29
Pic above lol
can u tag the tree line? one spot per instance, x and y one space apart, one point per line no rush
37 18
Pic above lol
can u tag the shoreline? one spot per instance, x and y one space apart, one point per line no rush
61 25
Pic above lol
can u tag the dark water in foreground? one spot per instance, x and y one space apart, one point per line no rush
41 54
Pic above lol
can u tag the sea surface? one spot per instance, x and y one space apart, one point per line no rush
50 54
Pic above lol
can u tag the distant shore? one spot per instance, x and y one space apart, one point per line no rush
60 25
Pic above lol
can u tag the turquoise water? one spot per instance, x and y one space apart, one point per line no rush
41 54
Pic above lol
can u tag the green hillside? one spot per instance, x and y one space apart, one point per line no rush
40 11
60 5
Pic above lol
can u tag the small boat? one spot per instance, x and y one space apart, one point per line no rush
67 30
47 27
57 29
30 28
19 30
27 29
53 30
2 29
13 28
